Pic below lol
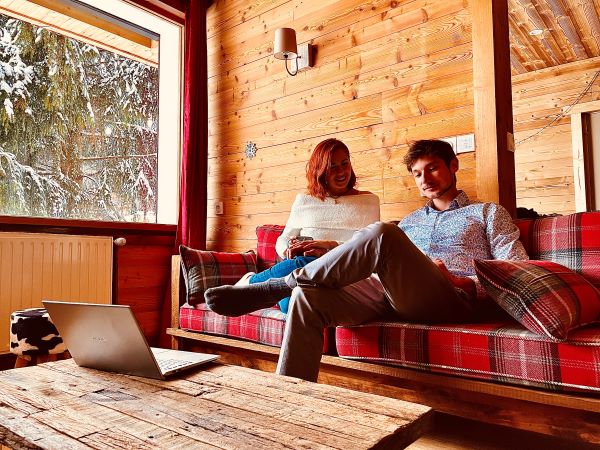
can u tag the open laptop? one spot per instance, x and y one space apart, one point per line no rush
108 337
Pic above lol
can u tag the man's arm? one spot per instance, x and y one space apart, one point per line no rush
503 235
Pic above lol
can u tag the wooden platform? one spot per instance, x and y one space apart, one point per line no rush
60 405
570 416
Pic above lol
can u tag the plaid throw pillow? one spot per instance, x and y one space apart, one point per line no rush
267 238
545 297
204 269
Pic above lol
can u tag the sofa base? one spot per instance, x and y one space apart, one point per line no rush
570 416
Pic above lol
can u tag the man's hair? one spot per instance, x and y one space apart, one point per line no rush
319 164
429 147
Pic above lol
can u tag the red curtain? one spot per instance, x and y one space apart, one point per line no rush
191 226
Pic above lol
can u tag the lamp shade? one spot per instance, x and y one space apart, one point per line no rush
285 44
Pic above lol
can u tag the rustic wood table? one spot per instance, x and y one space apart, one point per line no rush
60 405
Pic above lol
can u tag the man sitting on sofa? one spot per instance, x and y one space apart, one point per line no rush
420 271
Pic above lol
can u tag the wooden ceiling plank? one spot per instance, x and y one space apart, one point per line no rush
586 14
554 30
529 13
520 53
515 63
566 25
540 58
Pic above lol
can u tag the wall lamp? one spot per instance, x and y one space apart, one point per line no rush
285 48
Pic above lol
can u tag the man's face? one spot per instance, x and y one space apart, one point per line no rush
433 177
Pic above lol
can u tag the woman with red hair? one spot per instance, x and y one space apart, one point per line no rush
329 214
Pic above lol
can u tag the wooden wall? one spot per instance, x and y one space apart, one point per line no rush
544 162
386 72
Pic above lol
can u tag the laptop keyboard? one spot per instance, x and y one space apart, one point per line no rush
171 364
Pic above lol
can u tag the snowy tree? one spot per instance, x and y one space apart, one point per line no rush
81 125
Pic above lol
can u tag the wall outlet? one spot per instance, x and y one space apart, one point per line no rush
219 208
465 143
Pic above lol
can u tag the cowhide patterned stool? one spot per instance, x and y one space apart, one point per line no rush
34 338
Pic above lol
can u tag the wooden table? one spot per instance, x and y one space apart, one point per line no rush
61 405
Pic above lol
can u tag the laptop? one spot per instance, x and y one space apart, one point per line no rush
108 337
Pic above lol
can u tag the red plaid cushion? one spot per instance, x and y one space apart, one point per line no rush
572 240
204 269
499 351
265 326
545 297
267 237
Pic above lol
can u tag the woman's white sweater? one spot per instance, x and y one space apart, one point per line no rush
332 219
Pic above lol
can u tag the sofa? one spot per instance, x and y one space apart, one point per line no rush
532 363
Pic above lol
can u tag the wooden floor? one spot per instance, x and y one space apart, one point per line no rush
451 433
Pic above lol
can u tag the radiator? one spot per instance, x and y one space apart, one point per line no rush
35 267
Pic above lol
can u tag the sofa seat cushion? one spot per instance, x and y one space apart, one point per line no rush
264 326
496 351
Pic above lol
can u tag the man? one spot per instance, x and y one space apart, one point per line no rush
420 271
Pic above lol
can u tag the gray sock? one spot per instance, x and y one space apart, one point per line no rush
240 300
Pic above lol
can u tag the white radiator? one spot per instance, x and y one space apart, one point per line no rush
35 267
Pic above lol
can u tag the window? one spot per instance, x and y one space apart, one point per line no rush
82 100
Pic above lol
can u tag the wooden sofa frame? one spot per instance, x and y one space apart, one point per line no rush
565 415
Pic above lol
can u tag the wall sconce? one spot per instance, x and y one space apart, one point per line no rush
285 48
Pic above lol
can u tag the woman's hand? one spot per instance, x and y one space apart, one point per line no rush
309 248
464 283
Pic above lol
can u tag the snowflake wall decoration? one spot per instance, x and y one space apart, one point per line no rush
250 150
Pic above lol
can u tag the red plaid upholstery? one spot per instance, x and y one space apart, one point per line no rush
264 326
489 351
267 237
572 240
204 269
545 297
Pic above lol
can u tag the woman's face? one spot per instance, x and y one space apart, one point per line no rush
338 175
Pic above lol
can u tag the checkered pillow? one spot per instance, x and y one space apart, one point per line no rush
545 297
204 269
267 238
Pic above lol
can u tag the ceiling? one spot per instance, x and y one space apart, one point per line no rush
570 32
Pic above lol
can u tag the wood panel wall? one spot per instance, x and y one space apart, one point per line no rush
386 73
544 155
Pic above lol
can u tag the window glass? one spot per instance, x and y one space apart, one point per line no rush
79 128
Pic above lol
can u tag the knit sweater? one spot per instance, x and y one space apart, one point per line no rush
332 219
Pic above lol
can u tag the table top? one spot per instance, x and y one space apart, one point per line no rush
59 405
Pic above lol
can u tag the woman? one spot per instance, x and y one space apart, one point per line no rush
325 217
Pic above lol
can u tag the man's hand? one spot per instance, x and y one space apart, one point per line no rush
309 248
464 283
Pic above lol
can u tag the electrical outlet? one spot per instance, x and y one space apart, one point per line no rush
219 208
465 143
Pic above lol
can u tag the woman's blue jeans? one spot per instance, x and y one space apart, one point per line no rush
279 270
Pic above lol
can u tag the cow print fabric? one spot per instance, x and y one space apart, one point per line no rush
33 333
